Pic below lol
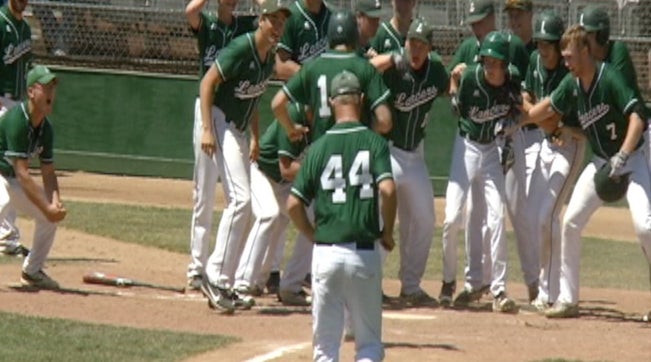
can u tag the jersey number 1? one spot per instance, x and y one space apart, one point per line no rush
358 175
324 108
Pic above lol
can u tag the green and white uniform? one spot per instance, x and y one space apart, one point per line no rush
603 112
341 173
244 79
16 44
305 33
20 140
310 86
387 39
551 183
212 36
269 191
476 161
468 52
411 101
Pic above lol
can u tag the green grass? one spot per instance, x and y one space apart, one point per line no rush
27 338
604 263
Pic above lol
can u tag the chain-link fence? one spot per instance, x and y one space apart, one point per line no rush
153 36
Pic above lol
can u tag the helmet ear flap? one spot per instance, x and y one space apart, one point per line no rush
602 36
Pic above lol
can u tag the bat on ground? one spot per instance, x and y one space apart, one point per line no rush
112 280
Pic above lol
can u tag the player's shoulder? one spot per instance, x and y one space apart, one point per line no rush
534 58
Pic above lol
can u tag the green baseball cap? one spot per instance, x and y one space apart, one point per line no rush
420 29
344 83
272 6
526 5
548 26
478 10
594 18
370 8
40 74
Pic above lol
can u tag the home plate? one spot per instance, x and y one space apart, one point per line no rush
409 317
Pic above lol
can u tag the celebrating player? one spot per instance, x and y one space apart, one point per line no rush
347 173
240 74
391 34
26 132
483 100
16 45
368 13
213 32
609 113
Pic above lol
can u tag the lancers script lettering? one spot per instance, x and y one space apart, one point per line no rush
308 51
13 53
495 112
246 90
593 115
406 103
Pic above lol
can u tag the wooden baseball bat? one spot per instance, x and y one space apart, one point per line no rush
112 280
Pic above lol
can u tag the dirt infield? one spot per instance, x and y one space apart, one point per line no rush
608 329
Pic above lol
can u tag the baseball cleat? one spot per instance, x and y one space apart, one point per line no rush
194 282
218 298
447 292
504 304
252 290
242 301
39 280
563 310
419 299
273 282
468 296
13 249
540 305
291 298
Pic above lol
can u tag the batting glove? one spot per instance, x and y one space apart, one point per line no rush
617 163
400 62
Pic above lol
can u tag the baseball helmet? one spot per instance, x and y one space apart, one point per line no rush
495 45
596 19
342 28
548 26
610 189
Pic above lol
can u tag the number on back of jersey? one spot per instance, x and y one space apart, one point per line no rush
358 175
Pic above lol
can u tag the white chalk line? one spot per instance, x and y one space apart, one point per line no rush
279 352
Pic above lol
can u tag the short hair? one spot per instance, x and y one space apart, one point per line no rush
577 36
348 99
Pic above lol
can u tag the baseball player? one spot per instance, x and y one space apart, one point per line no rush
213 32
16 45
305 37
520 21
271 178
481 18
482 100
413 93
368 14
609 114
347 173
25 133
242 71
309 86
391 34
559 163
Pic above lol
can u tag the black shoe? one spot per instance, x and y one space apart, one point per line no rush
242 301
307 282
447 292
273 283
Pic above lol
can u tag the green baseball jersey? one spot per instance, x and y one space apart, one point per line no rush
412 96
213 35
540 82
305 35
481 105
310 86
16 43
340 173
602 110
274 143
620 58
19 139
387 39
468 52
245 77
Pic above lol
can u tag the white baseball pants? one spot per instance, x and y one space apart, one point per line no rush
233 167
551 184
415 213
584 202
344 277
8 229
300 262
13 197
269 204
471 161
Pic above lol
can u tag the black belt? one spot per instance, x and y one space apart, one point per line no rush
483 141
360 245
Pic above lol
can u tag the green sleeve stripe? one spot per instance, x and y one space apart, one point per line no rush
298 194
16 154
289 94
288 154
630 105
219 69
381 100
386 175
555 107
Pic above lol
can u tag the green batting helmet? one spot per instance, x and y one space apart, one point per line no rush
342 29
610 189
495 45
549 26
595 19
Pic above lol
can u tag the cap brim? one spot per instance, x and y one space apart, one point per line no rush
376 13
421 38
475 18
46 79
546 37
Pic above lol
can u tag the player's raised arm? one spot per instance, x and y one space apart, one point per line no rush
285 66
209 82
193 13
